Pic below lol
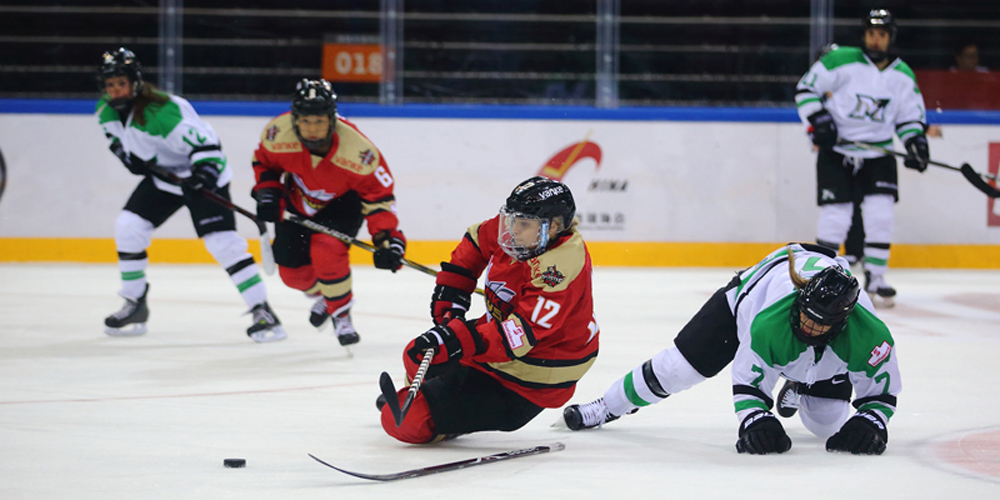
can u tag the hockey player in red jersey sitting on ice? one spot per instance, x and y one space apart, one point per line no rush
539 337
317 165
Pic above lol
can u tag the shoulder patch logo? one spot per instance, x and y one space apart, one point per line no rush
552 276
366 157
272 132
879 354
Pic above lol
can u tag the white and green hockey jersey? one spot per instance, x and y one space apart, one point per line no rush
867 104
768 349
173 134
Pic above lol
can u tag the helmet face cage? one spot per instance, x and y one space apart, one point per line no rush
314 98
121 62
522 236
828 299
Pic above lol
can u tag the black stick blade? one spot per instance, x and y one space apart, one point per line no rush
976 179
461 464
391 399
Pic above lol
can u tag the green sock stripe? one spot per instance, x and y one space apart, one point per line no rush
631 394
750 403
878 406
133 275
876 261
249 283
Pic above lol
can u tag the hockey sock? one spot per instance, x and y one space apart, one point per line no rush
651 382
230 250
834 222
878 219
133 269
133 234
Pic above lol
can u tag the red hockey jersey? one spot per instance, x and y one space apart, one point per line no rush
353 164
540 335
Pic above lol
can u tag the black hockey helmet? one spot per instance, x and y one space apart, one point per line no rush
827 299
121 62
314 98
543 198
880 18
538 198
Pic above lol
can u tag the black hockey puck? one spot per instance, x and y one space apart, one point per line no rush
234 463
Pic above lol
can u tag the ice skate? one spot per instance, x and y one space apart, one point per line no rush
879 291
788 399
587 416
130 321
318 315
342 326
266 326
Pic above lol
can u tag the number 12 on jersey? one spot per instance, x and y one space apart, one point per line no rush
547 307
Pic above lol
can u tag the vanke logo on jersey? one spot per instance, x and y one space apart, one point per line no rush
869 108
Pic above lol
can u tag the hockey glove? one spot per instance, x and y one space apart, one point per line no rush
862 434
761 433
133 163
270 203
824 129
919 153
204 175
442 339
390 247
453 293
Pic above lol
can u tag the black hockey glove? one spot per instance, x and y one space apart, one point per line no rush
270 203
453 293
204 175
824 129
919 153
862 434
119 151
133 163
390 248
761 433
441 338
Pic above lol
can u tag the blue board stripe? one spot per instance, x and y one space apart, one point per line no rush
479 111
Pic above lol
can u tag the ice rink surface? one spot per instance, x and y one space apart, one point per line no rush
87 416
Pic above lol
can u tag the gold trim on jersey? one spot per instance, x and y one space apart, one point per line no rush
354 151
386 205
473 233
279 136
554 270
332 290
534 375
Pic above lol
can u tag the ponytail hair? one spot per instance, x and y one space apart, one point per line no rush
797 279
147 94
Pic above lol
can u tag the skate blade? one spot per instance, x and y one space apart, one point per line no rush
560 423
883 302
133 330
350 351
273 335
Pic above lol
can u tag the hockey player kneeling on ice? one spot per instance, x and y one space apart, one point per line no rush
315 164
538 338
146 128
797 314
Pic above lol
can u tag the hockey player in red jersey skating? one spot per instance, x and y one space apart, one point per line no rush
538 338
317 165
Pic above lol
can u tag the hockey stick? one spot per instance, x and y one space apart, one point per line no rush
389 390
350 240
975 178
461 464
266 254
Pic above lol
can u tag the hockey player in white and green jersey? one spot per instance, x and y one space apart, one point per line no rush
863 95
147 128
797 314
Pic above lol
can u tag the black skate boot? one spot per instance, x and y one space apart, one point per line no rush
879 291
318 315
588 416
342 326
130 321
266 327
788 399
